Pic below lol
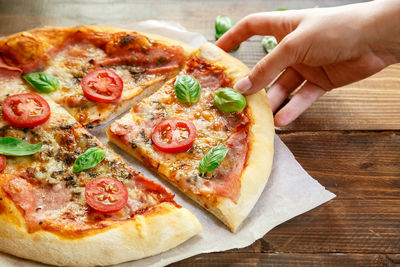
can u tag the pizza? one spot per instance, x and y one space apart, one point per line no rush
68 199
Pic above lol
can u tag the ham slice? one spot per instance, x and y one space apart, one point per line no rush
227 177
36 202
8 71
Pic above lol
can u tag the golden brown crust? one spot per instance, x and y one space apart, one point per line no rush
143 236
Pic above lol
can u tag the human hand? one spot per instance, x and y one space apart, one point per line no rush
323 48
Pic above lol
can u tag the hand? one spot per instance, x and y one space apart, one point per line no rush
323 48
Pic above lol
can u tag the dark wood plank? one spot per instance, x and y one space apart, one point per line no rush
267 259
352 225
371 104
363 170
362 164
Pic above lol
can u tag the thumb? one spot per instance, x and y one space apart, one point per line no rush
265 71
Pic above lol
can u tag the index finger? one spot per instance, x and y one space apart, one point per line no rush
277 24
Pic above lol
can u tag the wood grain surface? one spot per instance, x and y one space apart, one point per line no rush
349 140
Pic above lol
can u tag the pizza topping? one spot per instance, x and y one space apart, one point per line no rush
40 203
213 128
25 110
139 51
187 89
11 146
226 178
21 192
8 71
102 85
211 160
106 194
89 159
75 101
3 161
229 100
58 202
42 82
174 135
210 76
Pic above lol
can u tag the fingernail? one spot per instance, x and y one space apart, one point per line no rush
243 85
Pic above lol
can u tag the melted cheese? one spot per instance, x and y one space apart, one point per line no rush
71 64
58 193
213 128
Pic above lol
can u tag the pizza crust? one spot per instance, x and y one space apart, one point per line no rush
162 228
144 236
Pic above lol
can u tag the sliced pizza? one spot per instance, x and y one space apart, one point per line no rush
100 71
217 151
66 199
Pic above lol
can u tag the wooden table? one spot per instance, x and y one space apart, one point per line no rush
349 140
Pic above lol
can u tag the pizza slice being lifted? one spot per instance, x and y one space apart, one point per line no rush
66 199
200 135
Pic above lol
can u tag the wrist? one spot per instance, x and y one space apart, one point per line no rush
383 25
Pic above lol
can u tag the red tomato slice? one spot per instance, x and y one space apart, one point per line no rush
102 85
174 135
3 161
106 194
25 110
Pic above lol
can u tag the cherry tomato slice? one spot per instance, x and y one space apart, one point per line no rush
106 194
102 85
25 110
174 135
3 161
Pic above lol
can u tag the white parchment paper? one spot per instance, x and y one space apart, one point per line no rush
290 191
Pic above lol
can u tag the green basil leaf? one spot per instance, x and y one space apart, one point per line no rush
269 43
11 146
187 89
42 82
211 160
229 100
89 159
281 9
